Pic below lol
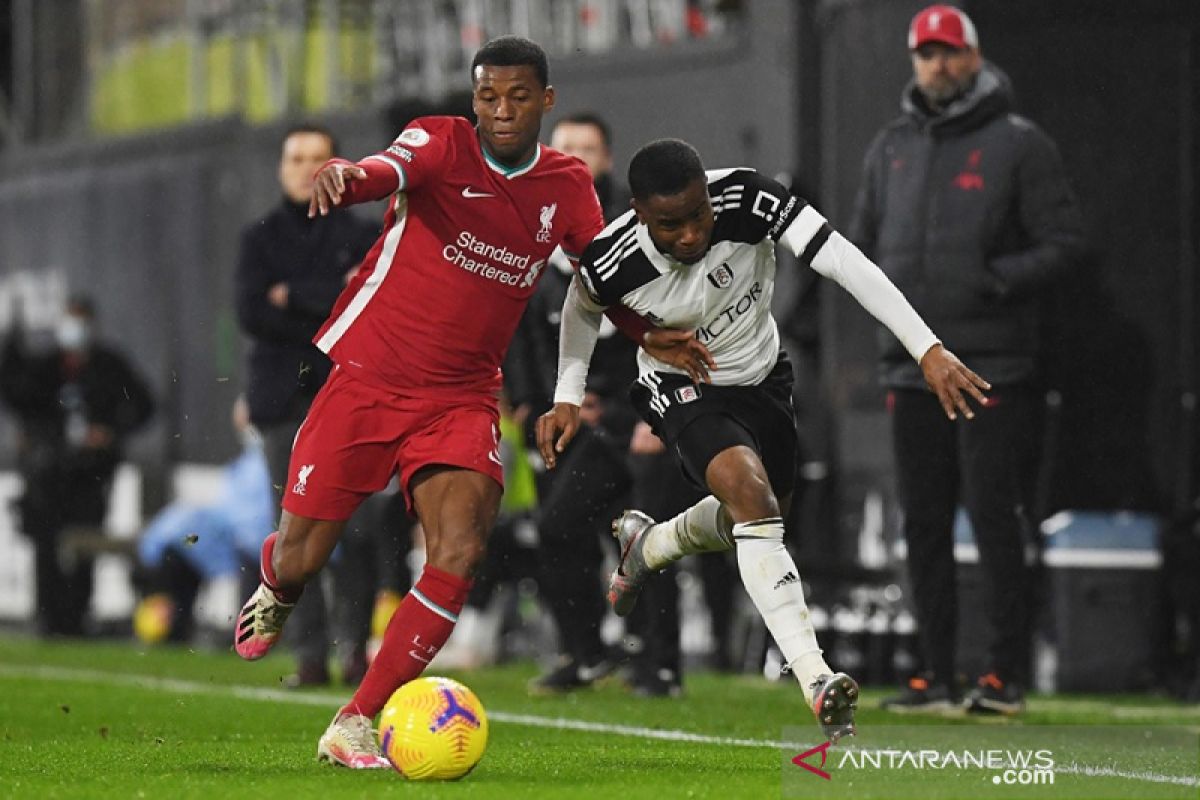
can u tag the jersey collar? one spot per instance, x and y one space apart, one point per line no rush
512 172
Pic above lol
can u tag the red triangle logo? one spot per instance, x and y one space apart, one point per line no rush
800 762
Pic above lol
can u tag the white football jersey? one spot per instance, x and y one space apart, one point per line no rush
726 296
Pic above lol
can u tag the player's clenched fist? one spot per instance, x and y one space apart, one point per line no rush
555 430
329 184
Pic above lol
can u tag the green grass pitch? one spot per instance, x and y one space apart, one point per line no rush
112 720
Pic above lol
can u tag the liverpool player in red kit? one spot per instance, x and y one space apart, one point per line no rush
417 339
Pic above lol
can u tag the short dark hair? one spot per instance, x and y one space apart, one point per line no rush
310 127
588 118
513 51
664 167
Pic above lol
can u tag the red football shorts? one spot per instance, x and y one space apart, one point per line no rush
356 436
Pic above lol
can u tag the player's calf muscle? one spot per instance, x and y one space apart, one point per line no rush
740 483
303 547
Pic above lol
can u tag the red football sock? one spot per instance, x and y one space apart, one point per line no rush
417 631
266 571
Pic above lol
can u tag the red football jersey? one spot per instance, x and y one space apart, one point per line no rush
464 241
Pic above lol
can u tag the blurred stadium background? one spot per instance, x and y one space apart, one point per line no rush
139 136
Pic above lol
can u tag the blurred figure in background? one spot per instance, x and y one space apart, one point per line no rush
75 405
186 544
290 272
653 627
576 504
966 207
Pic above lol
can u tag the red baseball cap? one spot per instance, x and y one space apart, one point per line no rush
945 24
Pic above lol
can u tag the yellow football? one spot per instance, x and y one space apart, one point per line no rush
433 729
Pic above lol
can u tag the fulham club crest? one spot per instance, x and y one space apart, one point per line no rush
722 276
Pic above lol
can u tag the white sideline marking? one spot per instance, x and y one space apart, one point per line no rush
67 674
1109 772
325 699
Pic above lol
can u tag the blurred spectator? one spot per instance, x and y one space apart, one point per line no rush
577 501
966 207
653 628
75 403
290 271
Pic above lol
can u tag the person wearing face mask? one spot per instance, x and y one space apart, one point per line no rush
966 207
75 405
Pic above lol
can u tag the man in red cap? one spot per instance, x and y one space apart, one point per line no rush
966 207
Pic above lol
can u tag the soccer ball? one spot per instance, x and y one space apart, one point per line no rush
433 729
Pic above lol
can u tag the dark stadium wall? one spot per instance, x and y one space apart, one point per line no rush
734 98
1117 86
149 226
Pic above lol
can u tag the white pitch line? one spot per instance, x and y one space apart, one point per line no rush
67 674
325 699
1109 772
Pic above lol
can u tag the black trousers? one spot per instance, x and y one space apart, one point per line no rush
63 489
662 491
985 465
578 501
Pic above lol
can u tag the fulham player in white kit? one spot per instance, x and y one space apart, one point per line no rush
697 253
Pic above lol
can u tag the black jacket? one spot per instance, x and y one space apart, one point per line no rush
531 366
42 392
312 256
970 215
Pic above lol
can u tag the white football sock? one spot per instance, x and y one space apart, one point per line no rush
702 528
773 583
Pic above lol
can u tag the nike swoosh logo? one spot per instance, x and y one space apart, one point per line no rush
468 193
413 653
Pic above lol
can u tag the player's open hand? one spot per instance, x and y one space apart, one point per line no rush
680 349
329 184
555 430
950 380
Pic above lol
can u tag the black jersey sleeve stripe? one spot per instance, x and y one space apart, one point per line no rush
751 207
815 244
633 272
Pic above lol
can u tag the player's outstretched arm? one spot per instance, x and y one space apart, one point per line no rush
838 259
555 430
342 183
951 380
